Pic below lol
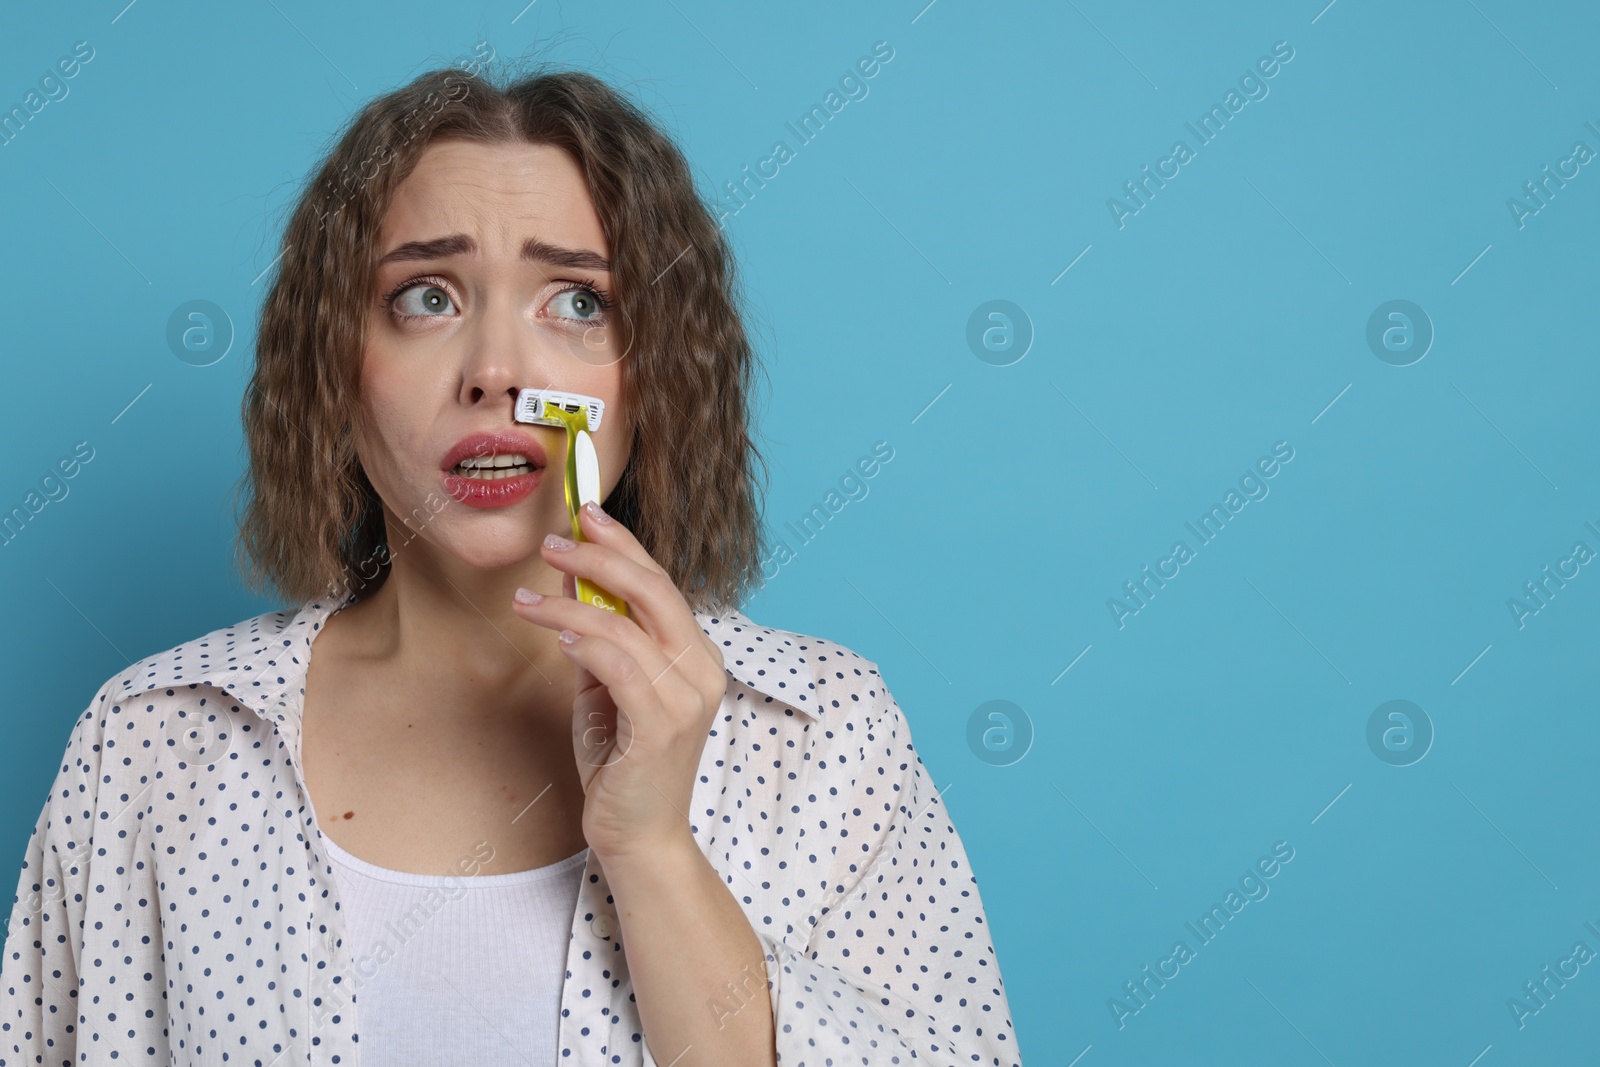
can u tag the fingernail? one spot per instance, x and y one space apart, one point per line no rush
598 512
568 636
527 596
559 543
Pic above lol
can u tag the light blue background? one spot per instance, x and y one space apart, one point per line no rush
1227 315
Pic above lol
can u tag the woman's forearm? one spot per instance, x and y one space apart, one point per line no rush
699 971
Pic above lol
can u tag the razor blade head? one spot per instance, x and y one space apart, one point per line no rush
531 403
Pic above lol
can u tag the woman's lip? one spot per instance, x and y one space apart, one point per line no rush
497 443
490 493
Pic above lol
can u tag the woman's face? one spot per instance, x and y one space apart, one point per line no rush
493 278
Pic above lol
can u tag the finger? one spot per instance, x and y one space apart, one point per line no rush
628 682
675 673
654 600
608 559
595 731
601 528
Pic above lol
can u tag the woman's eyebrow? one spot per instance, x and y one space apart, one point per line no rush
533 250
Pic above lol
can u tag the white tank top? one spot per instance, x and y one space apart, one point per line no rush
457 969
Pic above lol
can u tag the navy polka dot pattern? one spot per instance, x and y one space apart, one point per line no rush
176 904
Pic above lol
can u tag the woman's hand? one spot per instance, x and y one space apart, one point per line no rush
648 688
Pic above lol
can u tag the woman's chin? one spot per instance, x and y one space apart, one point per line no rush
515 551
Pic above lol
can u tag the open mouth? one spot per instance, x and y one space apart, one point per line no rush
494 468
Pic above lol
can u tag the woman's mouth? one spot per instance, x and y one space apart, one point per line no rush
494 468
492 481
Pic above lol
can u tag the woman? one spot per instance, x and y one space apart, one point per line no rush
486 821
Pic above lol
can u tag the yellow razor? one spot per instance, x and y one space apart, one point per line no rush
580 415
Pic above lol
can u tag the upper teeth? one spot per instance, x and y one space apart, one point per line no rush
515 459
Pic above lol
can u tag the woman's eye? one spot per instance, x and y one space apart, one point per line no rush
423 301
580 304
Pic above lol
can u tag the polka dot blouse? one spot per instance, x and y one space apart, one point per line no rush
176 904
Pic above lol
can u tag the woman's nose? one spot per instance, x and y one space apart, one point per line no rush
502 354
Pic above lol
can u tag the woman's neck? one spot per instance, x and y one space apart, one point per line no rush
454 625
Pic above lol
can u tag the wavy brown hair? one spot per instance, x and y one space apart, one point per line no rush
314 525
